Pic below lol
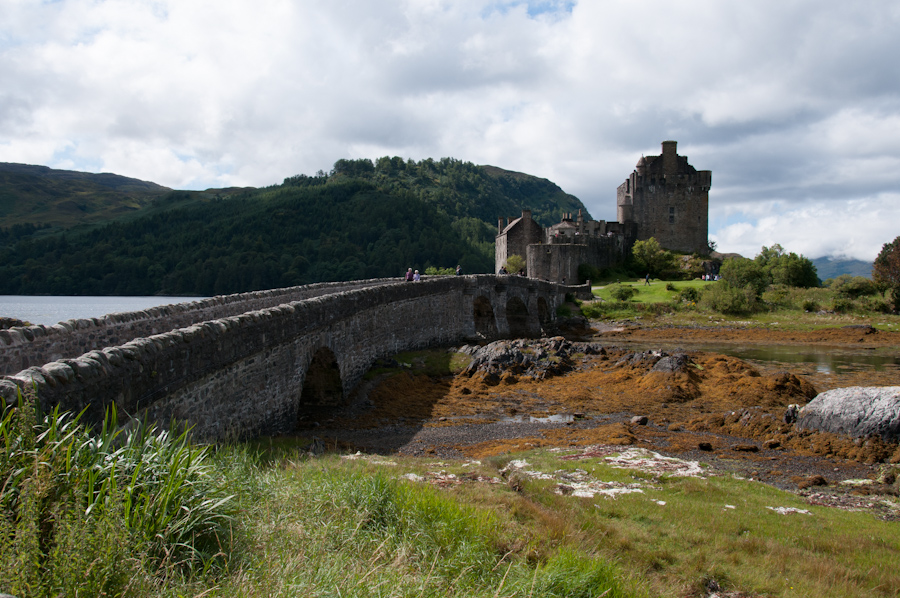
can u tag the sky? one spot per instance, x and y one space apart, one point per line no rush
794 105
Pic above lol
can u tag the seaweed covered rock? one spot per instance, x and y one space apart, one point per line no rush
537 359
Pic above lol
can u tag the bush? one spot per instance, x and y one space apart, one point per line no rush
842 305
853 287
810 305
688 295
727 299
670 286
871 304
622 292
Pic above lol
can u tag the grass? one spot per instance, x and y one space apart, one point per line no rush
403 526
656 292
105 512
784 308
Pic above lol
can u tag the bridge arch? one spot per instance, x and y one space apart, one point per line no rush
485 320
517 317
545 317
322 386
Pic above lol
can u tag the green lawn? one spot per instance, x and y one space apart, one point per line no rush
655 292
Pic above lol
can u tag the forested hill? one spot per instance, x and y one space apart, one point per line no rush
364 219
40 196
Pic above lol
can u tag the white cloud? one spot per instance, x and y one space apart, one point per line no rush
794 106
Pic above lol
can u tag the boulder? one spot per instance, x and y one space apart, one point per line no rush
858 411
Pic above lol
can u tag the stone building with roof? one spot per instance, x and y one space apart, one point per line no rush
665 197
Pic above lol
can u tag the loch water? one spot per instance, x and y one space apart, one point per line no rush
50 310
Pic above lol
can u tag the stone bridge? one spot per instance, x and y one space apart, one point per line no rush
250 364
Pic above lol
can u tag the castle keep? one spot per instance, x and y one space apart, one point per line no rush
665 198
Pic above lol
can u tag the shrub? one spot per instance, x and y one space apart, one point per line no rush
810 305
842 305
593 310
670 286
688 295
853 287
727 299
622 292
871 304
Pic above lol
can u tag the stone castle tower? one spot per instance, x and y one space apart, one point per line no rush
667 199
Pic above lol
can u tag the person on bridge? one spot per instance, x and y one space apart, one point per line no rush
409 275
416 277
458 270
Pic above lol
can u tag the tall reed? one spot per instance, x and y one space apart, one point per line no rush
102 511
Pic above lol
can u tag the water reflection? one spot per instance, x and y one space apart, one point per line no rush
824 360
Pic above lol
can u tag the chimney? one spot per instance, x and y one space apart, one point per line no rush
500 224
670 157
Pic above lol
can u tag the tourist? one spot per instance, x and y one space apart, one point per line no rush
416 277
409 275
458 270
647 279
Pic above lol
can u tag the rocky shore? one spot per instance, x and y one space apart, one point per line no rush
732 415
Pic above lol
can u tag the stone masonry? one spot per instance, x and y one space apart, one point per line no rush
243 375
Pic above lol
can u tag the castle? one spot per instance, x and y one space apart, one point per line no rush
665 198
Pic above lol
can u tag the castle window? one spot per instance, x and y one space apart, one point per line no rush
671 215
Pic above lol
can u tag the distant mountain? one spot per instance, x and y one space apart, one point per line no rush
43 196
364 219
827 267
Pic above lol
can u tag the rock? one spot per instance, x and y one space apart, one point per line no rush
640 420
705 446
745 448
772 444
672 363
790 414
859 411
810 481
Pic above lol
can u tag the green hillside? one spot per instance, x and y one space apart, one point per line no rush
38 195
362 220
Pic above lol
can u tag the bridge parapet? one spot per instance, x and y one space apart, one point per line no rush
23 347
244 375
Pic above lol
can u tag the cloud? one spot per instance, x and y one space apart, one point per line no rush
794 106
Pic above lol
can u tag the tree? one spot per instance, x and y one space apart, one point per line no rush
650 257
886 271
788 269
515 263
743 273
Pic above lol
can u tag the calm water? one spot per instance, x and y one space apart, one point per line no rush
52 310
822 359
